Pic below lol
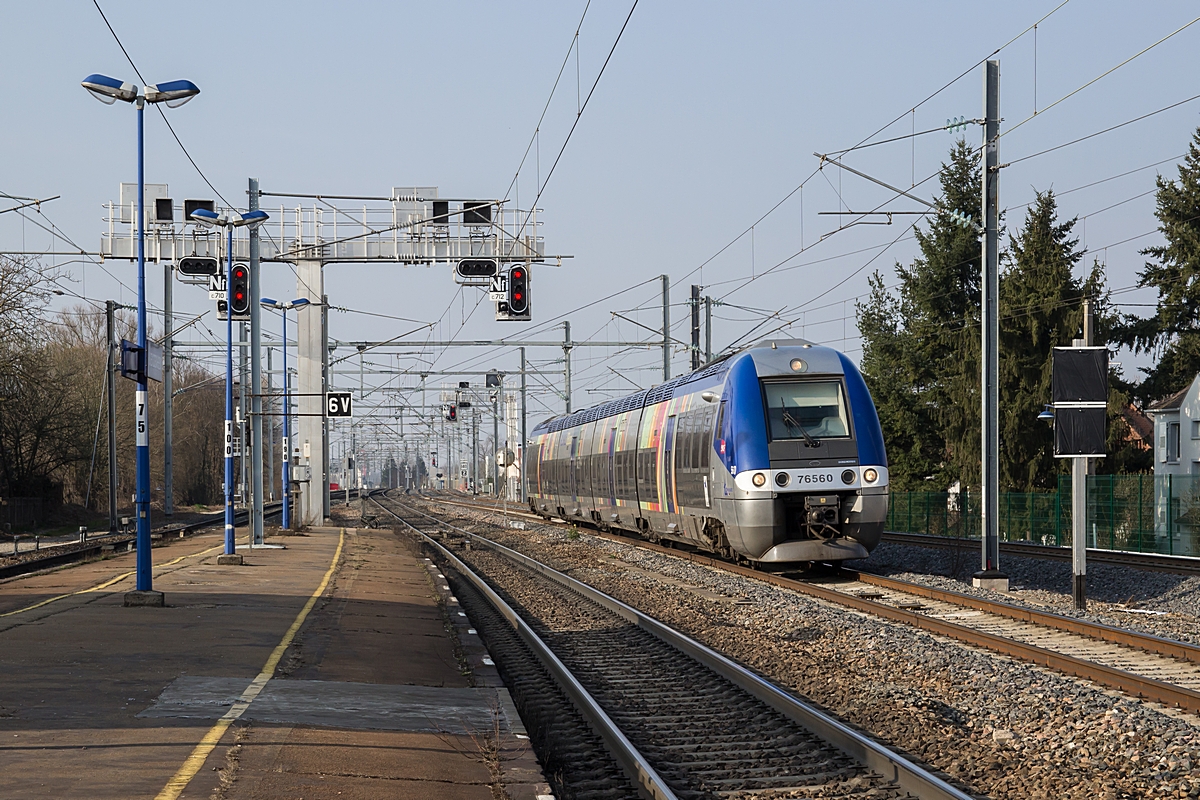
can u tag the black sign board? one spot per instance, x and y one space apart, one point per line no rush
1079 375
1080 432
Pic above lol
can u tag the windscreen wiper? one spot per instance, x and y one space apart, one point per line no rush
790 421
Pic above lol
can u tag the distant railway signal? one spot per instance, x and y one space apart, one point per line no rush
198 265
476 268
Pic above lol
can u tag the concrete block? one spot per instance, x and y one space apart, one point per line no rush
144 599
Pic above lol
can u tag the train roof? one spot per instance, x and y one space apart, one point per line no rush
768 360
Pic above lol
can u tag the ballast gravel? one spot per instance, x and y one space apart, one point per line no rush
1158 603
997 727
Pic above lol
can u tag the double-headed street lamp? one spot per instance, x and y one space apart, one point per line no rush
174 93
267 302
233 305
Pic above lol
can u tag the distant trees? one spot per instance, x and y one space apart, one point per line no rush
52 426
921 344
921 347
1172 333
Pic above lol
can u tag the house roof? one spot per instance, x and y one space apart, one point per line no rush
1171 402
1141 425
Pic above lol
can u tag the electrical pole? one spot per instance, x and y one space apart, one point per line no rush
256 404
524 433
270 449
110 308
474 450
695 309
707 329
567 364
167 383
496 406
666 305
243 483
990 576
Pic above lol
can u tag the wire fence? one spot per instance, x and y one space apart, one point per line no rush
1139 513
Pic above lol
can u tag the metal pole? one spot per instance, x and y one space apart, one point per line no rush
324 419
167 385
707 329
474 451
990 575
256 406
243 482
1079 532
666 305
286 460
145 580
310 390
110 312
524 432
230 546
270 448
694 302
496 406
567 364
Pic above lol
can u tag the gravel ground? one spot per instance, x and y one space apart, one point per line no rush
1000 728
1117 596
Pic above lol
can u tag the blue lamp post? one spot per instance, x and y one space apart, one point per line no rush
174 93
287 456
251 219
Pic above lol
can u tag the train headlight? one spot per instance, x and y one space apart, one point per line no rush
759 479
870 475
798 365
782 479
848 476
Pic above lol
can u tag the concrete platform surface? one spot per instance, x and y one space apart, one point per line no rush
326 669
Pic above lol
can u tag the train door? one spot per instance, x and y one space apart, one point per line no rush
670 496
573 473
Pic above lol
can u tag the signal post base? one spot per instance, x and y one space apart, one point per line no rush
145 599
991 579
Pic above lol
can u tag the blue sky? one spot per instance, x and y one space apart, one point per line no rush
707 116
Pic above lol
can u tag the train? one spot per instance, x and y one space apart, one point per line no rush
771 455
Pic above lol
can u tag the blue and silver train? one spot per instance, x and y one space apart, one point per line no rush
773 454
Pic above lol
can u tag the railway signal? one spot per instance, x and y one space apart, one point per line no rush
239 289
198 265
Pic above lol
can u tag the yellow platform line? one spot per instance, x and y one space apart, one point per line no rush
196 760
104 585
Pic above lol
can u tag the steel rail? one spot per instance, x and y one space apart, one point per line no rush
631 760
891 766
1128 682
1094 630
1157 562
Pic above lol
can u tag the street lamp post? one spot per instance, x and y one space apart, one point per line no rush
229 222
174 93
267 302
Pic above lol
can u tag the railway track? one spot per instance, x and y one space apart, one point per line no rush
682 720
1145 666
1179 565
61 555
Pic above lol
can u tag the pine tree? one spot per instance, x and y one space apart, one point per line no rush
1173 333
921 344
1040 309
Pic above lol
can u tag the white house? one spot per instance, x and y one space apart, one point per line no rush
1177 466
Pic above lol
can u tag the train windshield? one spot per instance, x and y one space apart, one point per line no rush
806 410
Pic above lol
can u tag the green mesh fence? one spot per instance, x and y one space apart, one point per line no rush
1140 513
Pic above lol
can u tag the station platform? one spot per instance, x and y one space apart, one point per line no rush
336 667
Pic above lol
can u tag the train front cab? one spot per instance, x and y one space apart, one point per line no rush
804 454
